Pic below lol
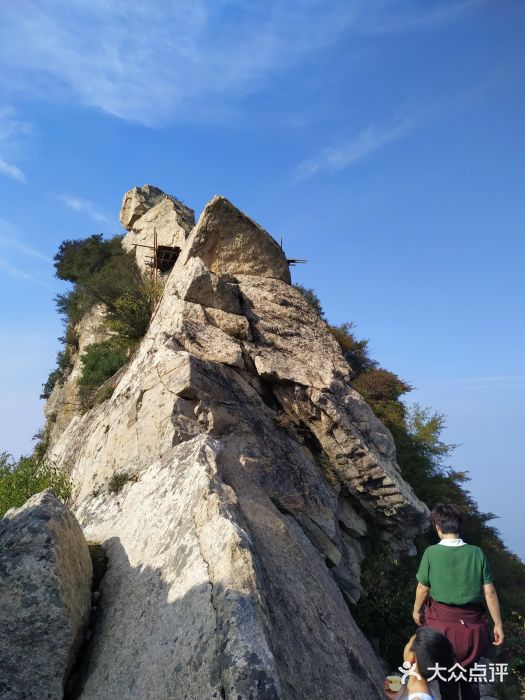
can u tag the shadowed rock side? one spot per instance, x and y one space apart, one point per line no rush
255 474
45 597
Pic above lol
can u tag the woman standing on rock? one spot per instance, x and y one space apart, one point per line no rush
453 578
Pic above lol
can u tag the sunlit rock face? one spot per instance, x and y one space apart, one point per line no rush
251 478
151 216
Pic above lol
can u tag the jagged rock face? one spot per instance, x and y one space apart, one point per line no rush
256 475
45 597
147 209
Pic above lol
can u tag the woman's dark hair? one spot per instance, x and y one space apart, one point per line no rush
447 517
431 648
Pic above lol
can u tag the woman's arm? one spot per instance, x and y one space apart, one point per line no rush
421 596
493 605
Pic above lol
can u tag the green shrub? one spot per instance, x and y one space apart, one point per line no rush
131 313
21 479
384 611
100 361
54 377
355 351
101 272
117 482
64 363
312 298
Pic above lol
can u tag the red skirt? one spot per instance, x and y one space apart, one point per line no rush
465 627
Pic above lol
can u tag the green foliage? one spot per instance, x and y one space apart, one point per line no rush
74 304
100 361
57 375
117 481
77 261
70 338
54 377
384 612
355 351
515 656
132 311
380 385
312 298
21 479
101 271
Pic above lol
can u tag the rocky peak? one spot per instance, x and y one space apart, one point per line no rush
139 200
151 215
253 476
227 241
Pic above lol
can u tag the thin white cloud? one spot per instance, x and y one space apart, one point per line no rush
152 62
12 171
367 141
149 62
14 271
20 274
84 206
393 18
13 132
9 238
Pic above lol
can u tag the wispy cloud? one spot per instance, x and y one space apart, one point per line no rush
20 274
10 241
187 56
367 141
180 63
394 17
12 171
84 206
13 132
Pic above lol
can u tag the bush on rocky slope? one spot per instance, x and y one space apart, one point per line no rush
101 271
20 479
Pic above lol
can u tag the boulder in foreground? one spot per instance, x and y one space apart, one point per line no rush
45 597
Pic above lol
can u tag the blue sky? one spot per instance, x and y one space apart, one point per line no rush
383 141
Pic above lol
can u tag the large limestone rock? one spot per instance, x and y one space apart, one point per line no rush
45 597
228 241
255 477
186 574
147 210
137 201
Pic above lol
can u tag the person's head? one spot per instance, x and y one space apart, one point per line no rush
447 519
426 648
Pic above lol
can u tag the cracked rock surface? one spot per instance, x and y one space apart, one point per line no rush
254 477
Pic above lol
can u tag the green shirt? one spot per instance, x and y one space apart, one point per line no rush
455 575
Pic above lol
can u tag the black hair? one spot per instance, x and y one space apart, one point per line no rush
431 648
447 517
